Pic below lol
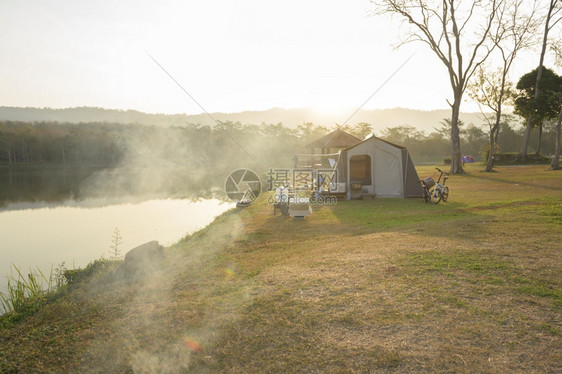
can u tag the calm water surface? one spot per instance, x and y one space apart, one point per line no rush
44 234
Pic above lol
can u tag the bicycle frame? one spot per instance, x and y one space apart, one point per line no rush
439 191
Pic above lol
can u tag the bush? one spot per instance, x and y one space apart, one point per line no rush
77 276
515 159
447 161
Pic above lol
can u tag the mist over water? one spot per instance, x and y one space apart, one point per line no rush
163 188
41 235
55 214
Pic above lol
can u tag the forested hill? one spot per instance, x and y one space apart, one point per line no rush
90 115
379 119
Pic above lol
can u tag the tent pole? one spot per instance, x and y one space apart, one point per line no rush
405 174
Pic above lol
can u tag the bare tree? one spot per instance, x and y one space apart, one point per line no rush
555 165
553 17
556 48
513 32
490 90
457 32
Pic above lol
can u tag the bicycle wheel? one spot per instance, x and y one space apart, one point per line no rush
445 193
436 195
426 195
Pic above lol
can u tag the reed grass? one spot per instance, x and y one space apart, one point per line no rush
25 291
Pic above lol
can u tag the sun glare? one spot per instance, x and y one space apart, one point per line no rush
333 109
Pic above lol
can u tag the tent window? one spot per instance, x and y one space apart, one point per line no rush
360 169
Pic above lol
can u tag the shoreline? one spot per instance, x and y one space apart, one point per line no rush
362 285
62 229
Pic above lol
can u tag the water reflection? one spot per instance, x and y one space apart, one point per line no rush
49 216
61 185
41 184
45 236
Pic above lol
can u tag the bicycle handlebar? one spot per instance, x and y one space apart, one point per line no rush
441 171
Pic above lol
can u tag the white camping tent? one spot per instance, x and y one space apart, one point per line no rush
375 167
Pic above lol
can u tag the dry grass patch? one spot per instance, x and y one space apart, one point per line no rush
364 286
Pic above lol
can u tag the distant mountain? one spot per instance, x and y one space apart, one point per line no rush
90 114
378 118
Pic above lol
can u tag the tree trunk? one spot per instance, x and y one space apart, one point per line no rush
456 164
490 162
539 142
523 153
555 165
526 136
493 142
494 132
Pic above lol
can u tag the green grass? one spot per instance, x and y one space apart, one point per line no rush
26 293
388 285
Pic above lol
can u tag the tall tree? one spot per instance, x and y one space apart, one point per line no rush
544 106
490 90
555 165
513 32
553 17
445 27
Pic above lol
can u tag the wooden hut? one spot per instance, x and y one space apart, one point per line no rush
320 151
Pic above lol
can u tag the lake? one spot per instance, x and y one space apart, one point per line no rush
45 219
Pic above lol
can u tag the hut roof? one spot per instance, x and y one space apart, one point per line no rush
336 139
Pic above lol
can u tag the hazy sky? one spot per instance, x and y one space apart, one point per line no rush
230 55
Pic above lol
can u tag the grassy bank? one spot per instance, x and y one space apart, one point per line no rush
381 285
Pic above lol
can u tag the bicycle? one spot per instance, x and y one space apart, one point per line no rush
435 192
